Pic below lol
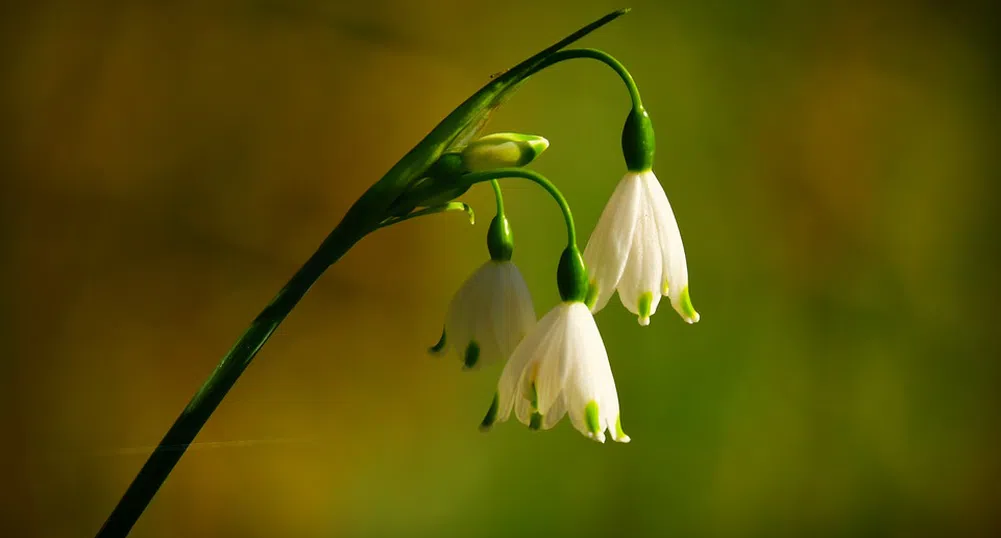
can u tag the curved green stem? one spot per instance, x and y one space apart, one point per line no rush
498 196
601 56
535 177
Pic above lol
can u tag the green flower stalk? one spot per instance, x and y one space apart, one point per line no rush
557 366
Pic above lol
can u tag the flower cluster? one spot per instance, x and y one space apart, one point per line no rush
558 365
555 366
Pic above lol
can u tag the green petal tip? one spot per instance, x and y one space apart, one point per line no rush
591 418
536 422
686 308
437 348
472 355
620 435
491 416
645 302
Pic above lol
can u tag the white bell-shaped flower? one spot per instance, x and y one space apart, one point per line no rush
488 316
636 249
561 368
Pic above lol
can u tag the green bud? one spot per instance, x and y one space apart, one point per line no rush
500 239
571 276
502 150
638 141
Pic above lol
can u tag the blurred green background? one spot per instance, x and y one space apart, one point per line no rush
833 166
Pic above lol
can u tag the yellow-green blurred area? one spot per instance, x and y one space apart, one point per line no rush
833 166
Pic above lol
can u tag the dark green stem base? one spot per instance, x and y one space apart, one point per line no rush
208 397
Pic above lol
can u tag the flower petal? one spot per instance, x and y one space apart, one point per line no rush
554 366
618 435
485 292
590 379
608 248
516 313
538 344
493 310
460 320
639 288
675 280
523 410
555 413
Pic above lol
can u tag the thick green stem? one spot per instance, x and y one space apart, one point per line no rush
535 177
211 393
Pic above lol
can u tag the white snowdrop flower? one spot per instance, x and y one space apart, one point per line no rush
636 249
561 368
488 316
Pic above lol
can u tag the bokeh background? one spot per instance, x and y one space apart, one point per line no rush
833 165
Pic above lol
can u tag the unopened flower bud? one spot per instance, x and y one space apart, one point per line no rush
502 150
638 141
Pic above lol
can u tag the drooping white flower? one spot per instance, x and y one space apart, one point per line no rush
561 368
488 316
636 249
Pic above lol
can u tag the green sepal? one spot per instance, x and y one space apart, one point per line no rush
500 239
571 276
638 142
